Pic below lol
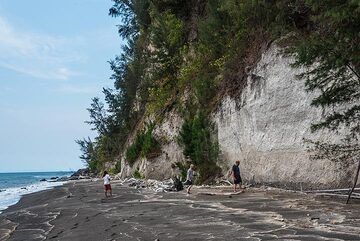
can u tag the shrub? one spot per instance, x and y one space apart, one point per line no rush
143 145
200 147
137 174
117 168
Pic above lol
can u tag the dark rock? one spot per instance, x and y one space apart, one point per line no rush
178 184
54 178
43 180
62 179
74 178
81 172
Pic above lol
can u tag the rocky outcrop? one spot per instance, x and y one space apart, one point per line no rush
265 128
83 173
159 167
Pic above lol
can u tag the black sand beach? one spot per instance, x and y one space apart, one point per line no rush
79 211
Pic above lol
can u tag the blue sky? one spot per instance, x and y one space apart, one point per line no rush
53 60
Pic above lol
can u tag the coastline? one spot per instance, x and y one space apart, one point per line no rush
14 185
14 194
78 210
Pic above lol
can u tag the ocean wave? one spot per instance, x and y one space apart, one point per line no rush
11 196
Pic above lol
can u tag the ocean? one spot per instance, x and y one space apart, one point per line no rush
14 185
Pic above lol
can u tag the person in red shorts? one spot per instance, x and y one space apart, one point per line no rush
107 186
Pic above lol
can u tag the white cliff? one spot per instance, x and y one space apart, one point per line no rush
265 127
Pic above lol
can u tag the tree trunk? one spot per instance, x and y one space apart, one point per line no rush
355 182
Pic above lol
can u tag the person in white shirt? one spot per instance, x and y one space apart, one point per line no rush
107 186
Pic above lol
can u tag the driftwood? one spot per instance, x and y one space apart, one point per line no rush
336 194
332 190
355 182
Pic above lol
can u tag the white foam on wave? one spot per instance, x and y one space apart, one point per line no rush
11 196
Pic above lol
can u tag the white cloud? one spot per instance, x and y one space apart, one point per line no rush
38 55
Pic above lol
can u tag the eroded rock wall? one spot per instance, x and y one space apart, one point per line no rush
265 127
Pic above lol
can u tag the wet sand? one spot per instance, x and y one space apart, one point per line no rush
79 211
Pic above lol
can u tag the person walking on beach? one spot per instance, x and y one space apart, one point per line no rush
236 175
189 178
107 186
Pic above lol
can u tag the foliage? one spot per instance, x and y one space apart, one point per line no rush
166 35
115 119
331 54
89 156
87 149
137 174
232 35
143 145
199 146
133 14
183 170
117 168
132 153
98 116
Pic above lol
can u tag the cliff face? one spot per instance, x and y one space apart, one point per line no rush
264 127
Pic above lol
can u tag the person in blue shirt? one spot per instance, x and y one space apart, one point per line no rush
236 175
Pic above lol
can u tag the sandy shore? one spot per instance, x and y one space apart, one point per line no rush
79 211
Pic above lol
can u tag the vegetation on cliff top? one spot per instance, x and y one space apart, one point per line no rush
204 48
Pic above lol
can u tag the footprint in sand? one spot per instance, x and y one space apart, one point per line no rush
57 235
75 226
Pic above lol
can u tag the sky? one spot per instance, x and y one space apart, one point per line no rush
53 61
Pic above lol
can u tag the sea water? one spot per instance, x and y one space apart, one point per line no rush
14 185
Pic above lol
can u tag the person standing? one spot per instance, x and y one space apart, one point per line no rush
236 175
190 178
107 186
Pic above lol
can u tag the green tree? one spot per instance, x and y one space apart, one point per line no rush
200 146
331 52
87 149
133 15
98 116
